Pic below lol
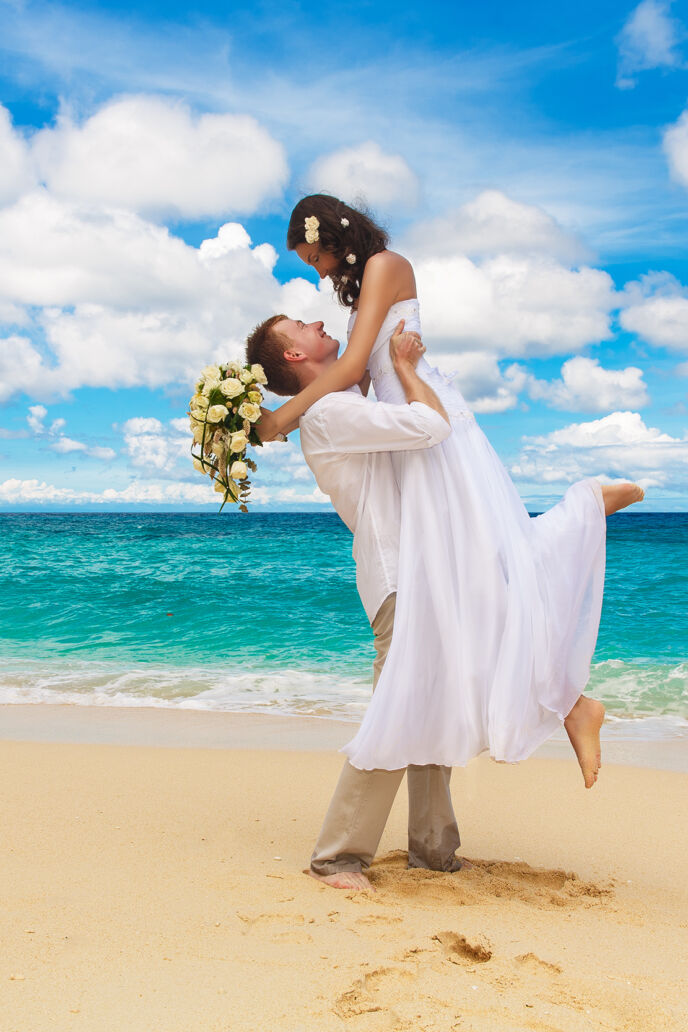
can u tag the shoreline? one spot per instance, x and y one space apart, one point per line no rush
218 729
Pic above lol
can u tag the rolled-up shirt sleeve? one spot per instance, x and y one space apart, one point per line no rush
351 423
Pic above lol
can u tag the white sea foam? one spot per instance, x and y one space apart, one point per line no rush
641 688
646 701
97 684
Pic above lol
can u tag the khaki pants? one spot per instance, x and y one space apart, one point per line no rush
362 800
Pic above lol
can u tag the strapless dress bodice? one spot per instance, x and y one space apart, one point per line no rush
386 383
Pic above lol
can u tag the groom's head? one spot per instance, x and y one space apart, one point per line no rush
291 352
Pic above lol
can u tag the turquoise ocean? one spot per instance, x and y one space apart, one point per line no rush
260 613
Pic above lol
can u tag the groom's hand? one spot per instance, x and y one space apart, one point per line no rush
405 346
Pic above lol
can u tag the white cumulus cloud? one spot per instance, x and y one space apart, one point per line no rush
20 366
366 172
619 445
656 308
153 155
58 253
502 276
585 386
121 302
513 305
16 171
156 448
676 149
491 224
650 38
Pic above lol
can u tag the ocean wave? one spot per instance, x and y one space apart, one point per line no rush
92 683
643 699
640 688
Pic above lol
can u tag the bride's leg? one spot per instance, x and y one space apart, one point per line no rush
583 728
618 496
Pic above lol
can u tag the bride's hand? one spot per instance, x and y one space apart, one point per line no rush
267 427
405 346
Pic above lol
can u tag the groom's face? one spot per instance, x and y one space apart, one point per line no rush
309 342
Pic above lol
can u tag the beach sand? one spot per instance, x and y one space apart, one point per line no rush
158 888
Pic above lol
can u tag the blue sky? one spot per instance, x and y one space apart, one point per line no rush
531 161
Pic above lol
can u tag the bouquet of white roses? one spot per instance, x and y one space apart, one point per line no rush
223 413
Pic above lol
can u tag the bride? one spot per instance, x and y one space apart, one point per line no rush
497 613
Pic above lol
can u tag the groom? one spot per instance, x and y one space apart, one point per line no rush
347 441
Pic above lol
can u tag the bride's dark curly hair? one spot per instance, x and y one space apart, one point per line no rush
361 237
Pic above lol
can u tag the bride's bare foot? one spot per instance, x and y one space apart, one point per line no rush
583 728
350 880
618 496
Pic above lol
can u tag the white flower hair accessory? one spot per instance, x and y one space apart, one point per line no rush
312 225
344 222
351 259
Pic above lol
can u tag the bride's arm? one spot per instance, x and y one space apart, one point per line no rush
383 280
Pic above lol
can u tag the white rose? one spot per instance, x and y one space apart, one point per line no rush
311 224
198 434
210 372
210 385
246 376
199 401
258 373
255 396
216 413
239 442
249 411
238 471
231 387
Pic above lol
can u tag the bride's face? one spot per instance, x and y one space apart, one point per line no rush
324 262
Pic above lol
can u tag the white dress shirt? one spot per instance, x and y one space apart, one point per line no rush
346 440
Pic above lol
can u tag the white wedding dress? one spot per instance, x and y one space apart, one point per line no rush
497 613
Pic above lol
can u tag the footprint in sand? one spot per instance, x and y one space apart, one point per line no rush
485 881
294 937
375 919
458 949
363 996
291 932
534 963
259 918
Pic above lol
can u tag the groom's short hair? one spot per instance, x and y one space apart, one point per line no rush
267 346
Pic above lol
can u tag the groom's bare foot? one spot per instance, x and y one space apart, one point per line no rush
618 496
583 728
350 880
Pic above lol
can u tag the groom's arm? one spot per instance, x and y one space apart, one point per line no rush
406 350
347 422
